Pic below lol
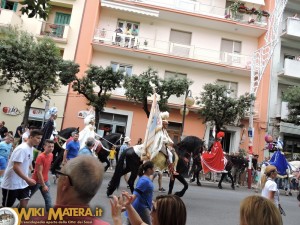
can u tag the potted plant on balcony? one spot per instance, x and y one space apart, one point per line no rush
250 11
146 43
260 14
234 8
265 13
242 8
53 26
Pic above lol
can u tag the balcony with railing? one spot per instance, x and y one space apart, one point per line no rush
215 9
291 28
170 49
291 68
10 17
56 31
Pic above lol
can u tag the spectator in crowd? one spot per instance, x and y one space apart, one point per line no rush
87 149
18 134
140 141
3 130
16 182
125 145
143 193
256 210
72 148
166 210
79 181
158 174
269 186
112 154
41 170
5 150
49 128
26 134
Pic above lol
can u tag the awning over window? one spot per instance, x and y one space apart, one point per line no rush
129 8
258 2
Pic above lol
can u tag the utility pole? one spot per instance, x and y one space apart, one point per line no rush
260 60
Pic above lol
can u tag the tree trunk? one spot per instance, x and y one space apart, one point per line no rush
26 112
145 108
97 118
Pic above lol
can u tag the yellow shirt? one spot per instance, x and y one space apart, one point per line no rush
112 153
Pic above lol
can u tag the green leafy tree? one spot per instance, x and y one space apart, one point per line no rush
33 8
32 67
96 86
139 88
292 96
219 108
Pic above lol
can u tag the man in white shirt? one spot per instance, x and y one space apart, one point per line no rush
15 184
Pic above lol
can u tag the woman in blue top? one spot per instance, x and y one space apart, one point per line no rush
143 193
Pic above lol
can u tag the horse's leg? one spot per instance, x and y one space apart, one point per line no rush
107 164
197 176
171 185
220 182
185 185
231 178
55 165
131 179
192 171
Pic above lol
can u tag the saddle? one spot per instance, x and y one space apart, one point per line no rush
164 151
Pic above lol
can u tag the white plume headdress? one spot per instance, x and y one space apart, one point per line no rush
164 116
51 111
88 119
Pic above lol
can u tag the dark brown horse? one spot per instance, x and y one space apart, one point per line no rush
107 142
184 150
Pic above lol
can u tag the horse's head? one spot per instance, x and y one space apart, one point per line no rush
66 133
190 145
114 139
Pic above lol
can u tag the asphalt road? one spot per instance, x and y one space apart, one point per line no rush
205 205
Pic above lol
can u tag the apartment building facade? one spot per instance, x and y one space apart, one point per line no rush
200 40
63 26
285 73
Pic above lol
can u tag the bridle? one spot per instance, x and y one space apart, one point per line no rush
113 144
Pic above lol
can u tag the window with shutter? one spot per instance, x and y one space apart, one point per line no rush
180 43
230 51
233 86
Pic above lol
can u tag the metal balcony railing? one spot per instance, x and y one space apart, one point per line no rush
113 38
200 8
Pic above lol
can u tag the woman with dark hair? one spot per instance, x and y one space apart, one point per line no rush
143 193
166 209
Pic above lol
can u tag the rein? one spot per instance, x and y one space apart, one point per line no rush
113 144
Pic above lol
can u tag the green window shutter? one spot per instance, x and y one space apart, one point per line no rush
15 7
3 4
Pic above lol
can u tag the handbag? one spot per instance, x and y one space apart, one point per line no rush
282 212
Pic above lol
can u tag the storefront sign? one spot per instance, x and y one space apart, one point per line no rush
12 111
36 113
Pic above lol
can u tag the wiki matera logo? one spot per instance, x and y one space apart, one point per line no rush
8 217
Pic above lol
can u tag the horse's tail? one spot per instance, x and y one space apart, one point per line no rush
116 178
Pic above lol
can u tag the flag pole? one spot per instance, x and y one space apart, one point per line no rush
145 153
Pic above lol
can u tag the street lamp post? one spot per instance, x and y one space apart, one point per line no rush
188 102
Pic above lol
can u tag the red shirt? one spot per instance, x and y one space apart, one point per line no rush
45 161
